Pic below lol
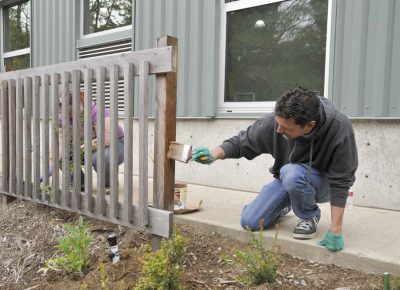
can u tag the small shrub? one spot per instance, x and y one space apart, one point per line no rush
163 269
260 264
396 283
103 277
75 247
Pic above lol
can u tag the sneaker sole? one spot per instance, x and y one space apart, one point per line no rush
304 236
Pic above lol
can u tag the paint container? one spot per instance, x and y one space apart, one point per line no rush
180 195
112 241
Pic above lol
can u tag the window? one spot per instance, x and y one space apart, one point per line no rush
106 29
270 47
102 15
16 34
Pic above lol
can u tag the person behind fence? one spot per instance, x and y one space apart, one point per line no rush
315 160
107 138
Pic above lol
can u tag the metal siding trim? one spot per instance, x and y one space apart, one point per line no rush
394 91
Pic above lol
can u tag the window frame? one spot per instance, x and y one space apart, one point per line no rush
18 52
257 108
101 36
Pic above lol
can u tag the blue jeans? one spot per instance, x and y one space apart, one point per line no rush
107 160
297 186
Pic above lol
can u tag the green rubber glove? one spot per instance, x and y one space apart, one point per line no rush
202 155
332 242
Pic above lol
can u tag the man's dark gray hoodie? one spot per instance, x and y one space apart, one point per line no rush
330 148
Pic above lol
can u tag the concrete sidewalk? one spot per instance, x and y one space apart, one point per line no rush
372 236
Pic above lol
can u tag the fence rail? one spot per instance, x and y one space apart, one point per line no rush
31 139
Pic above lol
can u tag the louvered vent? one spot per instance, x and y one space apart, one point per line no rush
102 50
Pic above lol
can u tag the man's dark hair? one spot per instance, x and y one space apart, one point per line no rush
299 104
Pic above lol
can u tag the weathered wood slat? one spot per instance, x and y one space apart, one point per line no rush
161 60
5 165
11 135
66 140
114 142
20 136
128 140
143 142
100 141
88 131
45 135
36 138
28 136
55 154
76 140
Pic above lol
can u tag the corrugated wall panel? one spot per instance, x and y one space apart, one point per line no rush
366 58
196 25
55 30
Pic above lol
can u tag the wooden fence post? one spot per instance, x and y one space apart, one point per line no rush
165 131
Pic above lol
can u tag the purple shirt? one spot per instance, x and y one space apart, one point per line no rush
107 113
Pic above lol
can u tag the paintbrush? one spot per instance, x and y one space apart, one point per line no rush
181 152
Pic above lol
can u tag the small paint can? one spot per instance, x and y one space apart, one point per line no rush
112 242
180 194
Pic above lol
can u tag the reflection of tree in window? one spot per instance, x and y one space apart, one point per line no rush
17 27
106 14
288 51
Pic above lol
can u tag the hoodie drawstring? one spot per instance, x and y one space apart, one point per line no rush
310 161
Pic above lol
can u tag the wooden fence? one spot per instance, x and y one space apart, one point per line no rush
31 136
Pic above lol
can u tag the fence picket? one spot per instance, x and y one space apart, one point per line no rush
55 154
11 131
20 137
36 138
143 142
88 131
114 142
66 140
28 136
4 138
76 140
100 80
45 136
128 139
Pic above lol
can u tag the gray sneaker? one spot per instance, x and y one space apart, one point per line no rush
306 228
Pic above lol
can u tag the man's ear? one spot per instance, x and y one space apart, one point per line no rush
311 125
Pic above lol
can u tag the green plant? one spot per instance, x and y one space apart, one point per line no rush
260 263
103 277
163 269
396 283
75 247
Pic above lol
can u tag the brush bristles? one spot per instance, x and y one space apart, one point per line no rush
180 152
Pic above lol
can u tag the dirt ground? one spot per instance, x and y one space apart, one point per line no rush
27 239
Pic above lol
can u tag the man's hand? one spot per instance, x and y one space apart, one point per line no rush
202 155
332 241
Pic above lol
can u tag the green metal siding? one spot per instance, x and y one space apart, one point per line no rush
366 58
55 30
196 25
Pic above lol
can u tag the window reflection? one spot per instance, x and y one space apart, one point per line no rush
101 15
273 48
17 62
17 27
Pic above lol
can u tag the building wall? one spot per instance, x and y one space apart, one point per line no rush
55 31
196 25
366 60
